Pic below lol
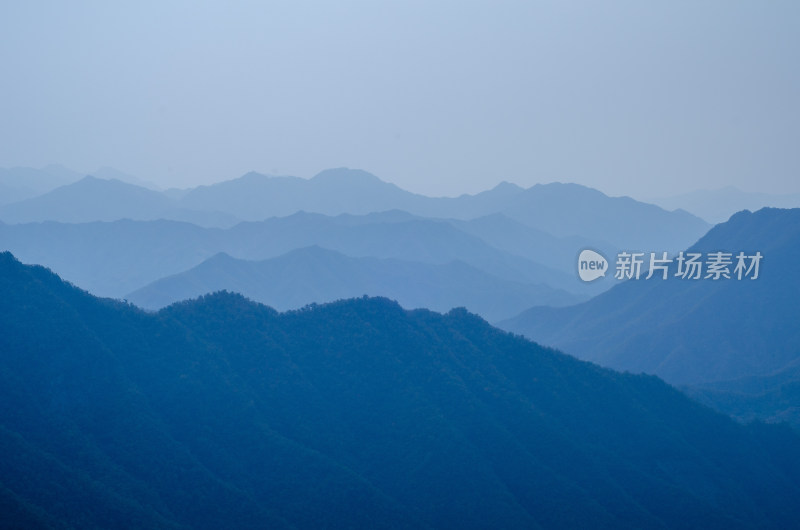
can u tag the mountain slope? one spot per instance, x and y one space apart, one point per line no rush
315 275
223 413
692 332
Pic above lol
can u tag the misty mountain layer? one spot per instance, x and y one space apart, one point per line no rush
563 210
113 259
316 275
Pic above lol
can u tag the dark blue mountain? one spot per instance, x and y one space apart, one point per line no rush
222 413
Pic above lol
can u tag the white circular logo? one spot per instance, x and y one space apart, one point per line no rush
591 265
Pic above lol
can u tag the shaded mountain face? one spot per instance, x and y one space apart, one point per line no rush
314 274
222 413
692 332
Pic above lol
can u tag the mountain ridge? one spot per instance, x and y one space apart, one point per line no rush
563 210
316 275
350 414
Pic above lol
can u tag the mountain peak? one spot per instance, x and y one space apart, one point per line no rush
507 186
345 174
254 175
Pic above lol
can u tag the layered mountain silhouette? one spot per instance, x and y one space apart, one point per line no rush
574 210
316 275
561 210
557 209
255 197
693 332
506 234
113 259
222 413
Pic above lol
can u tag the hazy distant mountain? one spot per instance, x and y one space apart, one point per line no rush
574 210
558 209
692 332
562 210
394 235
514 237
716 206
109 173
221 413
93 199
316 275
20 183
113 259
10 194
255 197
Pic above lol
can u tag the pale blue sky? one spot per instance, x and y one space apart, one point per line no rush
638 98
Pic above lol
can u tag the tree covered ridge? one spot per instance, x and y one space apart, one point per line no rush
220 412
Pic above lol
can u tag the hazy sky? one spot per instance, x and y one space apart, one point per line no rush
437 97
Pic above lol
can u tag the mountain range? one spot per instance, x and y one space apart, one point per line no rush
561 210
113 259
316 275
221 413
